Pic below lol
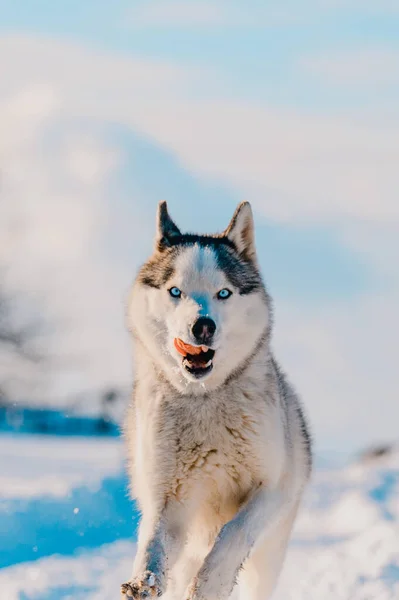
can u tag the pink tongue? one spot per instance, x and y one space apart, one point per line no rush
185 349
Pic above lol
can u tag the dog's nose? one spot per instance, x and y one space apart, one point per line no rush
203 330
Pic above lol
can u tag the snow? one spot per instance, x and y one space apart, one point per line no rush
43 465
67 527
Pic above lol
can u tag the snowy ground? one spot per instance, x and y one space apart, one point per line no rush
67 526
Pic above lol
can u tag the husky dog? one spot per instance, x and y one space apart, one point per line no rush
218 444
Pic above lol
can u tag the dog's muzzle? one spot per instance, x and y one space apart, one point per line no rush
197 360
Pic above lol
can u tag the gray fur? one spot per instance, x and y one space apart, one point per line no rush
218 465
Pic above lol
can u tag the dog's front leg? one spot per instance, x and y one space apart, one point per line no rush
256 518
161 538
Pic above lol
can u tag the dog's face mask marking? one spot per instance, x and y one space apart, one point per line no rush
199 305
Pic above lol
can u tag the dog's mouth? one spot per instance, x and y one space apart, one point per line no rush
197 360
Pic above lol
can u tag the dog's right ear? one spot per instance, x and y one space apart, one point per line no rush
166 228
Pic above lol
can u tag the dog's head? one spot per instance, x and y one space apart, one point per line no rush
199 305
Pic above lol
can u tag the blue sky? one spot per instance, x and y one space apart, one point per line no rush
257 60
109 107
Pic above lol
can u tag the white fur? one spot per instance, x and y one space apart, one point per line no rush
162 318
217 466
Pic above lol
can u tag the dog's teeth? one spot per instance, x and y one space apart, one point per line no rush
208 364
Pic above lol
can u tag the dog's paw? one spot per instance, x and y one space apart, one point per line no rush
140 588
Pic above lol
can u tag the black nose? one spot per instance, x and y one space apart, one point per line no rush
203 330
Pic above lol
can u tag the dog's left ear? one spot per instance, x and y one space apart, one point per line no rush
166 228
241 231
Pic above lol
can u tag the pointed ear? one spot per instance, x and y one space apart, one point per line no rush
166 228
241 232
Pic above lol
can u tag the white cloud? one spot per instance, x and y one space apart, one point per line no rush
282 158
342 359
297 168
76 71
54 212
56 208
361 67
233 13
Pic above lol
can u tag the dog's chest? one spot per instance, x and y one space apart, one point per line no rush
217 449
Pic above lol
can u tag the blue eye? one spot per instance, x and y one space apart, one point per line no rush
223 294
175 292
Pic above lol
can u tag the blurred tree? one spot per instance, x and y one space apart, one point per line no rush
18 342
18 338
109 398
20 327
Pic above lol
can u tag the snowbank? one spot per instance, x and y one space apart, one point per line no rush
67 528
